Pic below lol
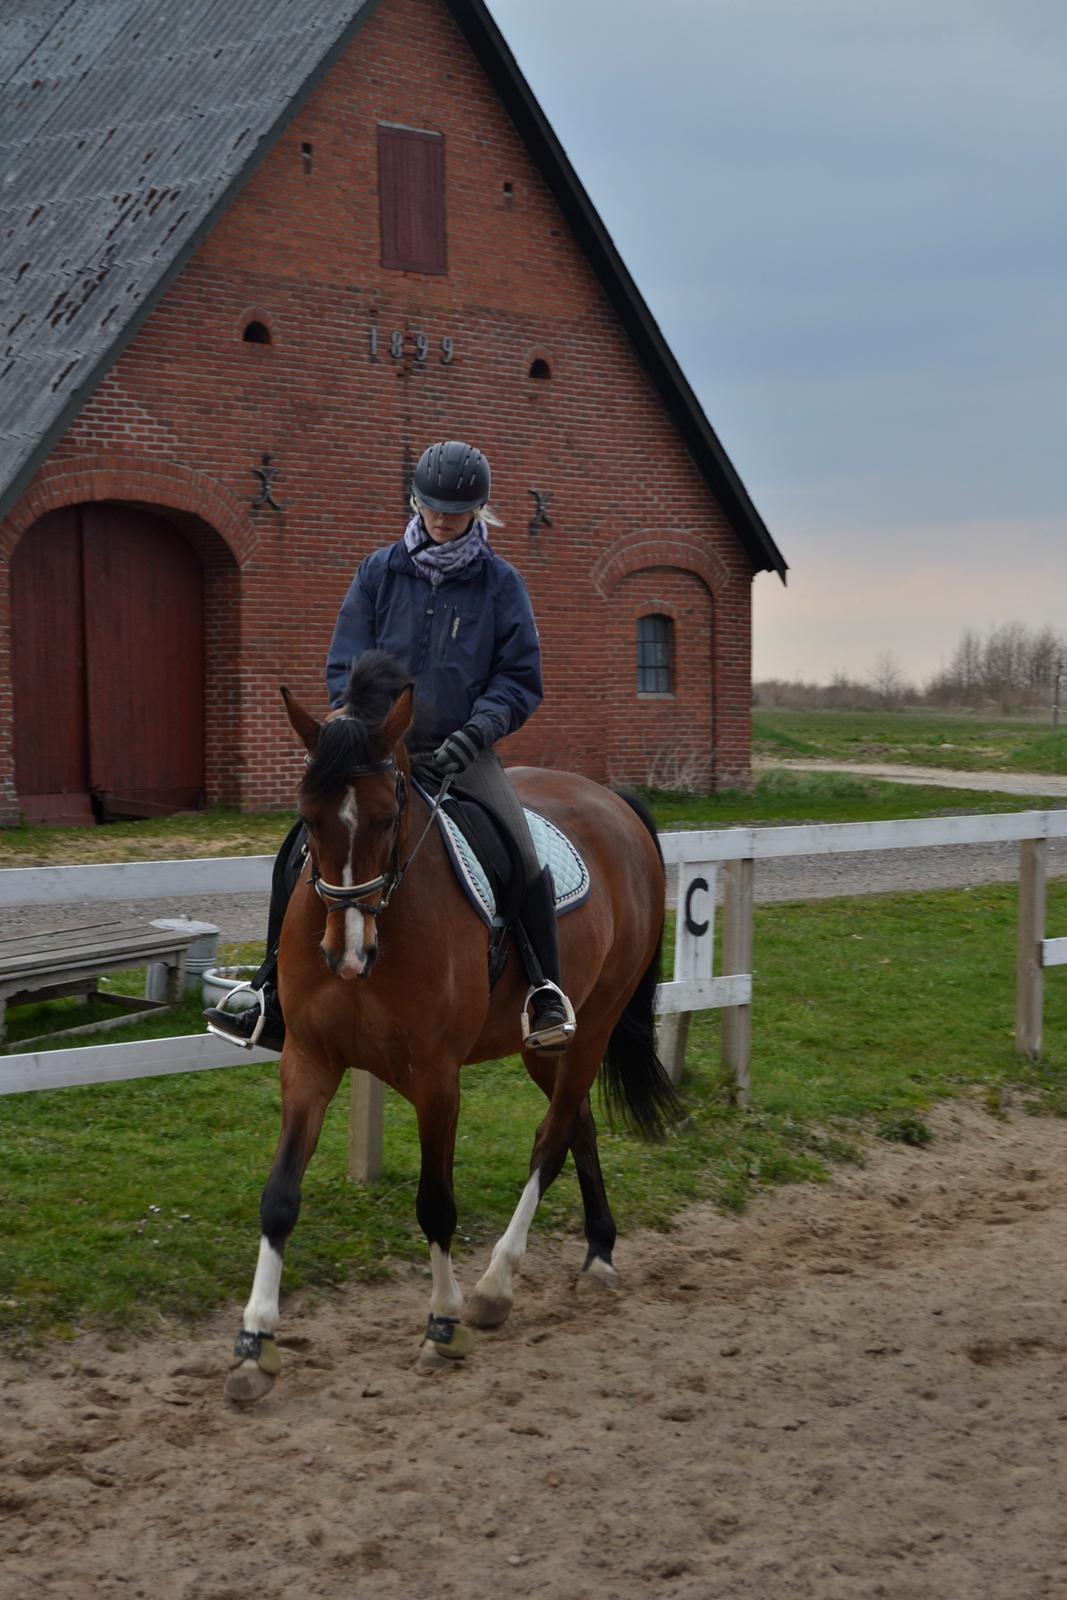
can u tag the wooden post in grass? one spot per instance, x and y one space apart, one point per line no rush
365 1118
1030 985
738 884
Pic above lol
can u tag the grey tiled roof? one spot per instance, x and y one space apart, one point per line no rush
124 127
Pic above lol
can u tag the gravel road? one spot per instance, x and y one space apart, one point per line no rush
243 918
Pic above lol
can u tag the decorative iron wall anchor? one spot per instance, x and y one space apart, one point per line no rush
266 475
542 500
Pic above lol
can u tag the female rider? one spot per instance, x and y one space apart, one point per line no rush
443 602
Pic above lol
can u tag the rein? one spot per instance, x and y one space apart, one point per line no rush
353 897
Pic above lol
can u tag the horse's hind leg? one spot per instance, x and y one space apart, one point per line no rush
491 1301
599 1222
307 1089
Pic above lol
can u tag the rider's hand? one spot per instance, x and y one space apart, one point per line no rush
455 754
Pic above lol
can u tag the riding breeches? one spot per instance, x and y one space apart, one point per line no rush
486 779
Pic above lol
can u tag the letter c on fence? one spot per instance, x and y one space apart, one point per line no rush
697 929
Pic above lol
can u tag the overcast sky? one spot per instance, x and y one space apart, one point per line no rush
849 218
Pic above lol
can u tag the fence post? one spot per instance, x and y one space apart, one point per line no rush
738 882
365 1118
1030 980
694 953
673 1041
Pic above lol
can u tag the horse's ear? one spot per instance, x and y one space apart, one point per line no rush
398 721
304 725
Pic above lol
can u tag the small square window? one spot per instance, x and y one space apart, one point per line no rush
655 655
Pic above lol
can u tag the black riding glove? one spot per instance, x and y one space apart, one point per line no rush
455 754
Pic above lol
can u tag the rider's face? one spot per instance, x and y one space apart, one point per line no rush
444 526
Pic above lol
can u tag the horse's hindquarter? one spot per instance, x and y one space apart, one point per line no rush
607 943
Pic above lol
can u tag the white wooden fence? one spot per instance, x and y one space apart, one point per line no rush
695 985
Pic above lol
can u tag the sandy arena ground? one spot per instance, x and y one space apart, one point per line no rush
855 1390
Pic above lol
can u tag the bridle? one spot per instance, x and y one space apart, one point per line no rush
355 897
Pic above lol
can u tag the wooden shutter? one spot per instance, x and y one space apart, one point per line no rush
411 189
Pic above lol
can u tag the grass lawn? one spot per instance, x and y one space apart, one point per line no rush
131 1203
967 742
777 797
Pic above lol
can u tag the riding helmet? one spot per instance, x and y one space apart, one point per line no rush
451 476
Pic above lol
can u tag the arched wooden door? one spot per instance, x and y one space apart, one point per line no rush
107 666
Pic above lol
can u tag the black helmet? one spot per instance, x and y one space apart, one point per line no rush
451 476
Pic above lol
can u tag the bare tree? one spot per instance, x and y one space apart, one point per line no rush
887 679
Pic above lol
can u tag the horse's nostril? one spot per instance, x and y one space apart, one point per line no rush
372 956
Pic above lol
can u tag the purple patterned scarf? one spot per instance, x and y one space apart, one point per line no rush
437 561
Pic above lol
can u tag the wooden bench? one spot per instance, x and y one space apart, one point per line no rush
55 962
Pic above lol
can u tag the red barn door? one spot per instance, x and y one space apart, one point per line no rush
48 673
134 654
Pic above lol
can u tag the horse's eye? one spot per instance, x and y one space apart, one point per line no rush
385 824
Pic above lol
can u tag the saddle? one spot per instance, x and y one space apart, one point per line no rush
487 863
488 866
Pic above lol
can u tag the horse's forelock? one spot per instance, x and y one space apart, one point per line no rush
374 683
353 739
344 744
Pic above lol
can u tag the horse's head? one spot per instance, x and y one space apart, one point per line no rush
352 800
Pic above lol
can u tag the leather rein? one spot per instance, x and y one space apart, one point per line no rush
354 897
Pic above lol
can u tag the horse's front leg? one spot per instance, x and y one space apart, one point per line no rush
308 1086
437 1108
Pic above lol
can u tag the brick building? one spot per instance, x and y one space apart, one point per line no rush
255 256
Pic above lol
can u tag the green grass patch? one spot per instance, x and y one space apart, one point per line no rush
780 796
970 742
129 1203
174 838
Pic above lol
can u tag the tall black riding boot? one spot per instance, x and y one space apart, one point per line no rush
548 1017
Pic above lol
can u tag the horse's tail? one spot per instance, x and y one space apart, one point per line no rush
635 1084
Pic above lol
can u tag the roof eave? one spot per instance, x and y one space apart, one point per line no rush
492 50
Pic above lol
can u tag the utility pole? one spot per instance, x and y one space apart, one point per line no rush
1056 695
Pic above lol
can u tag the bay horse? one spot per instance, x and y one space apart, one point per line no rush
383 966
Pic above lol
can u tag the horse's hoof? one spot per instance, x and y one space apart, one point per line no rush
486 1310
431 1360
598 1277
248 1383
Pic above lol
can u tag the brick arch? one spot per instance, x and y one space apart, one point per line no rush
224 537
632 552
150 482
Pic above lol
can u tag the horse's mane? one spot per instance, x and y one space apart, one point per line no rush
352 739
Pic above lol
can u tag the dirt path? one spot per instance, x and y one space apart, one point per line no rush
1046 785
857 1390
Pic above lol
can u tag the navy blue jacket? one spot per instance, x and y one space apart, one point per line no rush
470 644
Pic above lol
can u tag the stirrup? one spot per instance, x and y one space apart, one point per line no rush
557 1034
235 1038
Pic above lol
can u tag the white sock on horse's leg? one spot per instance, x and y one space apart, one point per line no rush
496 1281
262 1313
446 1298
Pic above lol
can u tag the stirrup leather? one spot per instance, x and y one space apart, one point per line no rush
556 1033
261 1022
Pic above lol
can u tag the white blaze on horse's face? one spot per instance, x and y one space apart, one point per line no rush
353 963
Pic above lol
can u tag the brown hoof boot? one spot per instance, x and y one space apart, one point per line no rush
446 1344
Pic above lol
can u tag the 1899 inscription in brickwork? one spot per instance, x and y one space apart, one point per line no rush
395 346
